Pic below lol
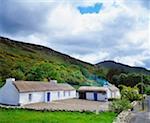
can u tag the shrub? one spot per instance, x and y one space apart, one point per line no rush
147 90
118 106
130 94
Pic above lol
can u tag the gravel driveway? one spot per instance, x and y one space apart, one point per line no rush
71 105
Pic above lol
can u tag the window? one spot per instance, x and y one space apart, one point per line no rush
58 94
30 97
64 93
69 93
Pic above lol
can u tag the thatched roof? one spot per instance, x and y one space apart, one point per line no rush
92 89
31 86
110 87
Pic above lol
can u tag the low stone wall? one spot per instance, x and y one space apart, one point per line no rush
125 116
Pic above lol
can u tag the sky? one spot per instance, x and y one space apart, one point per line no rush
90 30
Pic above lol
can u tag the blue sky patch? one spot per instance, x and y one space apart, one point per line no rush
90 9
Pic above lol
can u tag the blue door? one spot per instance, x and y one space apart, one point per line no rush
48 96
95 96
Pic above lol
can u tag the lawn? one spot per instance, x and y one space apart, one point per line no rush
28 116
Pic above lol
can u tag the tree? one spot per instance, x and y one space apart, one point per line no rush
41 71
129 93
111 73
17 74
120 105
147 89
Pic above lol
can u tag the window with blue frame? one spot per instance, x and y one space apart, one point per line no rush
30 97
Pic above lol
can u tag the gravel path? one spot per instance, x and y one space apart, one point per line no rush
71 105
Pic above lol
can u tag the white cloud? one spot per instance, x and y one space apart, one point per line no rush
120 31
134 60
93 58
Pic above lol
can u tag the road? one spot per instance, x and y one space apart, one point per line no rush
142 117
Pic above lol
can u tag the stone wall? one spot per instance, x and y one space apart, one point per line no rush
125 116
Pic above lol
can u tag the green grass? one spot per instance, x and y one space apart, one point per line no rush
27 116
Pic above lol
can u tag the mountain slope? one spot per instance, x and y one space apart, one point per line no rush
23 60
122 67
34 62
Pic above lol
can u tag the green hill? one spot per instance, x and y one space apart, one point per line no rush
34 62
121 67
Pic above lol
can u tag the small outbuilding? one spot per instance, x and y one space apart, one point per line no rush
113 92
25 92
93 93
99 93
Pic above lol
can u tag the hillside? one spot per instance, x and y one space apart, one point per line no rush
34 62
118 73
122 67
24 61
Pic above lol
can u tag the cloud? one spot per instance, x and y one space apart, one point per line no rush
120 31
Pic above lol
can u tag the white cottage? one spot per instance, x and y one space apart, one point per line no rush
25 92
98 93
93 93
112 91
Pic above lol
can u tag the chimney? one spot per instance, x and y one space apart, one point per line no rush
53 81
10 80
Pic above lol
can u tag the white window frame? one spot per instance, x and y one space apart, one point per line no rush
58 94
64 93
69 93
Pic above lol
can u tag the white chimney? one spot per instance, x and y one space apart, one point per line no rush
10 80
53 81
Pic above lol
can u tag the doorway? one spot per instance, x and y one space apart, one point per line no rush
48 96
95 96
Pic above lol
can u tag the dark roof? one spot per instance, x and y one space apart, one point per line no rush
31 86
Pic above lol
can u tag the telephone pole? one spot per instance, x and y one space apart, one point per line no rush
142 91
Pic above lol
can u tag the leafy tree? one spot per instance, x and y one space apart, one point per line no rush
111 73
120 105
115 80
147 89
17 74
40 71
129 93
85 72
1 82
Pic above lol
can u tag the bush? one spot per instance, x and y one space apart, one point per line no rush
147 90
118 106
130 94
18 74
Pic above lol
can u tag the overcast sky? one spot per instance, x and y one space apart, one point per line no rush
90 30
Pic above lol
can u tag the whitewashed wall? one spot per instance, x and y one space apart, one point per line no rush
36 97
9 94
90 95
117 95
42 96
113 94
102 97
109 94
54 95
